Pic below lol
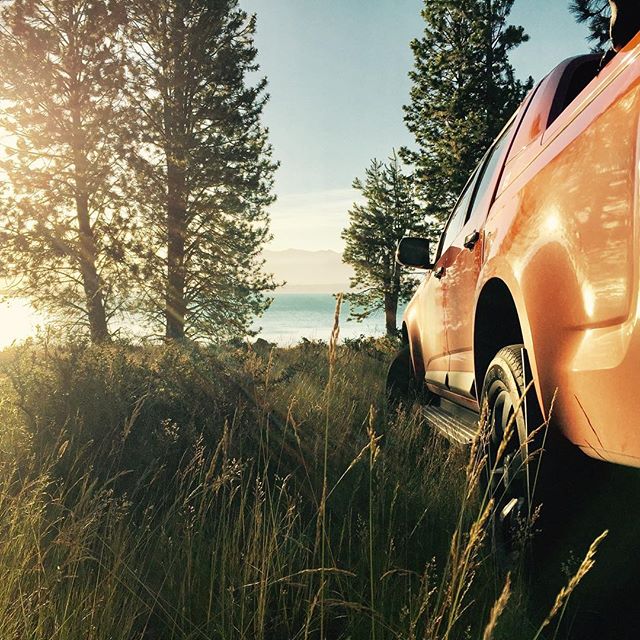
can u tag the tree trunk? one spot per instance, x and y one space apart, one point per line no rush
175 150
87 254
90 278
390 314
176 229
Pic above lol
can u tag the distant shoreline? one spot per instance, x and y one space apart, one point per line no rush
329 289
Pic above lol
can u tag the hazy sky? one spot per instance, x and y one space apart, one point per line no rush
337 74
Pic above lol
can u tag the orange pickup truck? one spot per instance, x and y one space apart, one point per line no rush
537 273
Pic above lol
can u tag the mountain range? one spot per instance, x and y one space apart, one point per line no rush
308 271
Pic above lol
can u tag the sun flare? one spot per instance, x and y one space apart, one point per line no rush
18 321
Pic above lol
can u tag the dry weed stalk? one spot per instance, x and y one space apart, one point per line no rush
333 355
463 565
565 593
373 454
508 433
335 333
477 458
427 592
373 442
497 609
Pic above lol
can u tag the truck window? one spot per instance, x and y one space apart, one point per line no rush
488 170
457 218
552 96
474 190
576 77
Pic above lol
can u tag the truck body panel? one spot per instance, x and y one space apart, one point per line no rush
557 224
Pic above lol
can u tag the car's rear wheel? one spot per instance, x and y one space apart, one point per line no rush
512 439
401 380
402 386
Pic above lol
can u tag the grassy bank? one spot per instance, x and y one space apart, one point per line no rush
168 492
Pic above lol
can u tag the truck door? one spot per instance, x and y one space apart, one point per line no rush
465 258
432 297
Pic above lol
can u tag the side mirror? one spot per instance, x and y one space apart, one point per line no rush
414 252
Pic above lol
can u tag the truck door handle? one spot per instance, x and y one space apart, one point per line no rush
471 240
439 272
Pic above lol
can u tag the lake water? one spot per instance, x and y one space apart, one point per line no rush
293 316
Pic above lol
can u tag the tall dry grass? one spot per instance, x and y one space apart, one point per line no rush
175 492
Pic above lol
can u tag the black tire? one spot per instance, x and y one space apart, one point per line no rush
513 437
400 378
402 387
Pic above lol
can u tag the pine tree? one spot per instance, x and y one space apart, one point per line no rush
390 212
205 172
596 14
463 91
64 220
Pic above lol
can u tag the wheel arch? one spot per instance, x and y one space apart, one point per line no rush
497 324
411 339
405 334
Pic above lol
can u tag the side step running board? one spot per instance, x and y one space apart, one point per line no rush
454 423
